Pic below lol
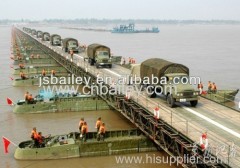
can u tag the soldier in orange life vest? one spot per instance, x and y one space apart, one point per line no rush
21 66
98 123
80 124
30 99
26 97
22 75
84 131
101 132
43 72
40 140
34 136
200 87
214 88
209 86
53 72
71 53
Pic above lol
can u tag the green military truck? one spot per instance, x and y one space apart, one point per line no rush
45 36
55 40
173 81
39 34
99 55
70 44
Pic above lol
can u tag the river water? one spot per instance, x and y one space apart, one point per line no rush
211 52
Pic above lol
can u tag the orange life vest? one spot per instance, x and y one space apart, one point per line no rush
84 129
98 123
102 129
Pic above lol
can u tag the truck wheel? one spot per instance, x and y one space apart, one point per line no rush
91 62
151 90
170 101
110 66
194 103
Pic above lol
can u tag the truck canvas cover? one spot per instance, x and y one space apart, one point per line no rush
158 67
93 47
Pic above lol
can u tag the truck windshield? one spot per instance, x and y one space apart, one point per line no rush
102 54
56 38
72 43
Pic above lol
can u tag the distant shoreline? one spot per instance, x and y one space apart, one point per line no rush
120 21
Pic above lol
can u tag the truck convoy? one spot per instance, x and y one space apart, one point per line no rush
173 81
70 44
99 55
55 40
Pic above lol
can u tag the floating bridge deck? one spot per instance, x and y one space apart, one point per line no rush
178 129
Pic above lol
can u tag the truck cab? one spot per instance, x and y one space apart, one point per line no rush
55 40
99 55
45 36
70 44
103 58
39 34
179 89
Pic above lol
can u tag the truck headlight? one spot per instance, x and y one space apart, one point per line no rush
179 94
195 93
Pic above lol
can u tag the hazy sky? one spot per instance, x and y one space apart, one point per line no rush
120 9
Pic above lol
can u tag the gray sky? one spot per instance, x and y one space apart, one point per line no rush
120 9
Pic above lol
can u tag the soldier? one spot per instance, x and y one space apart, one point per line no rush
80 124
214 88
71 53
84 131
43 72
34 137
26 97
98 123
53 72
22 75
209 86
200 87
101 132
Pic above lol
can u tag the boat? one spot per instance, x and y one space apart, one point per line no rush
38 69
221 96
59 102
131 29
36 79
71 145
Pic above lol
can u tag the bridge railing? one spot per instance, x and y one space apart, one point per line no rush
227 152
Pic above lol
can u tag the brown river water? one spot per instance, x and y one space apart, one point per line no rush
210 51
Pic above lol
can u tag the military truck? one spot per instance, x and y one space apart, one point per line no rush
173 81
55 40
39 34
45 36
70 44
99 55
34 32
